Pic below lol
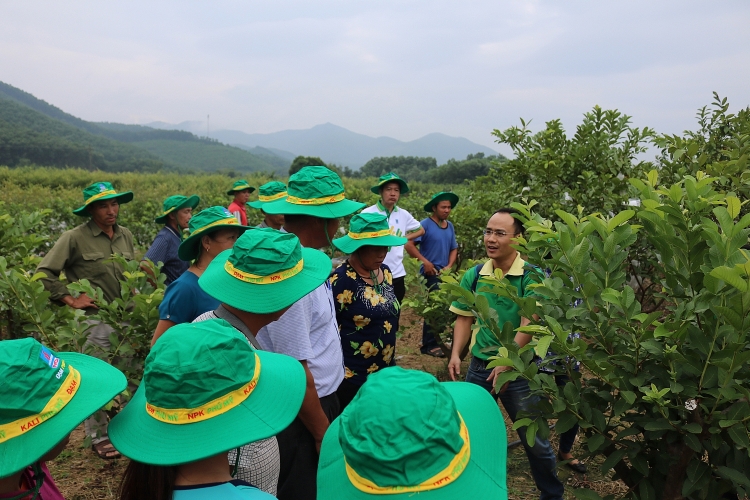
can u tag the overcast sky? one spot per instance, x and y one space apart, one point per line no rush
383 68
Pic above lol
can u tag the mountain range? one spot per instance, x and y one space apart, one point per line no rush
34 131
338 145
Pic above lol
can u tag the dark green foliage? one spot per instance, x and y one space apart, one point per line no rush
663 399
407 167
27 136
305 161
412 168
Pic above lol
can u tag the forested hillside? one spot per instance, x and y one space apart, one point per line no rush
34 131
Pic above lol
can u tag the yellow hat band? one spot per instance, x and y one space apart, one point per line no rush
257 279
58 401
315 201
272 197
231 221
209 410
443 478
99 195
372 234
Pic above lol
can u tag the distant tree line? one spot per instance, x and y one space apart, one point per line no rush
412 168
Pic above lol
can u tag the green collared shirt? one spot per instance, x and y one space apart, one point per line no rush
81 253
507 310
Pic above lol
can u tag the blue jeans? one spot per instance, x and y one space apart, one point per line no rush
428 337
516 398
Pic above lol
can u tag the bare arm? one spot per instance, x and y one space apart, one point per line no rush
415 234
413 252
162 326
311 413
461 336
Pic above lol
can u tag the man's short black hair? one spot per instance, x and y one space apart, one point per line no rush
518 226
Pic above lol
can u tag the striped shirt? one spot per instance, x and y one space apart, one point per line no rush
164 249
308 331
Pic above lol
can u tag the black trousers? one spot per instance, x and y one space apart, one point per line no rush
399 288
299 457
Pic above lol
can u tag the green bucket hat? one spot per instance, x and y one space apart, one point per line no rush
437 440
315 191
441 196
177 202
265 271
368 229
390 177
240 185
44 396
205 391
270 191
101 191
206 222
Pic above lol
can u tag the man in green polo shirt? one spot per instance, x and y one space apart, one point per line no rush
499 236
84 253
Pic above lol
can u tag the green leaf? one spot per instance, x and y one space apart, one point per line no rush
693 442
693 428
730 276
733 475
612 460
595 442
586 494
629 396
542 346
738 433
620 218
653 177
565 422
733 206
698 475
658 425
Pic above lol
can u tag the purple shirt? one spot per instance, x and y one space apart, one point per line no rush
48 490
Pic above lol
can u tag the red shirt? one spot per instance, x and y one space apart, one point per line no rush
236 208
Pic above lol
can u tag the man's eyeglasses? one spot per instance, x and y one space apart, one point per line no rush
499 233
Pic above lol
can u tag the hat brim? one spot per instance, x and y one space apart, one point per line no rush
263 299
139 436
124 197
188 249
349 245
100 383
453 198
191 202
233 191
484 477
257 204
341 208
401 182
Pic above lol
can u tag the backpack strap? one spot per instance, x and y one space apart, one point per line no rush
474 284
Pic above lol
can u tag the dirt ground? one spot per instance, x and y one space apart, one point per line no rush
81 475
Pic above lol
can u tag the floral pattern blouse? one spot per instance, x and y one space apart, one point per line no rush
368 321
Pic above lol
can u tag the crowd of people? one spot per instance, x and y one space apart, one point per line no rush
270 375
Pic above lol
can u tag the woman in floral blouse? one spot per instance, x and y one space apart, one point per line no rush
366 304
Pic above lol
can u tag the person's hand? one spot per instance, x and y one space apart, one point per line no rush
493 377
83 301
429 269
454 367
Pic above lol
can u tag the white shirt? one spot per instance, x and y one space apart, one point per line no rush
401 223
308 331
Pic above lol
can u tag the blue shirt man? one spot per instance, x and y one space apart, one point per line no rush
437 251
